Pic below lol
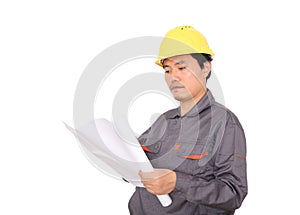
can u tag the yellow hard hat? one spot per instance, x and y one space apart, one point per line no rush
182 40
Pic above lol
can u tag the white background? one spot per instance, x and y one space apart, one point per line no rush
45 47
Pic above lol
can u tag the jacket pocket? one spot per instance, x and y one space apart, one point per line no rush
193 151
151 148
190 155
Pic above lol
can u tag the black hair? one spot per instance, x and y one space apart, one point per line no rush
201 59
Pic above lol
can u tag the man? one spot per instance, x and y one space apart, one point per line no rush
198 150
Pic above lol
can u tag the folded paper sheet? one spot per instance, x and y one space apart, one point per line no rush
106 150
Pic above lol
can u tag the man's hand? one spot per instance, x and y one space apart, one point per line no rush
159 182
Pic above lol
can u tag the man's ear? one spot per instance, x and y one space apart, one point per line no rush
207 68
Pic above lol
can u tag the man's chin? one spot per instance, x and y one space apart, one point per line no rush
179 98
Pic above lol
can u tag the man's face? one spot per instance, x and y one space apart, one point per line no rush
185 78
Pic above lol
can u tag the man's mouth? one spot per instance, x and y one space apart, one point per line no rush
175 87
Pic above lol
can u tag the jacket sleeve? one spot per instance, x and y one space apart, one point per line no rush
228 188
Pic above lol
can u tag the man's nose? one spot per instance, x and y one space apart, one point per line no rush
176 73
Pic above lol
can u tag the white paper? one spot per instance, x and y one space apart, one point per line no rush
106 150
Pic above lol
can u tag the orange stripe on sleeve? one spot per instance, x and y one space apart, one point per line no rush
239 155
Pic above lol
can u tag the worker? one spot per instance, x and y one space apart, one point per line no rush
198 150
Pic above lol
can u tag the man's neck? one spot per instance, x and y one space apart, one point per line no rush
186 106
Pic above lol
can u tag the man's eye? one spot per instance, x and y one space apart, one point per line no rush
182 68
167 71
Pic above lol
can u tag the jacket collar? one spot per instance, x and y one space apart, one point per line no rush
206 101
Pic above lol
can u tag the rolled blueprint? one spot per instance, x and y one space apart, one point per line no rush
111 153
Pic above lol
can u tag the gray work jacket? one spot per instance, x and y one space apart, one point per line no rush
207 149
